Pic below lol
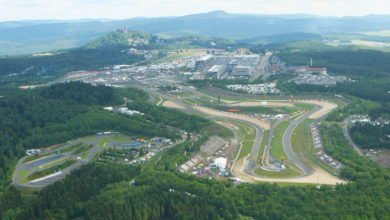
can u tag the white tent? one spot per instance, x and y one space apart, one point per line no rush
220 162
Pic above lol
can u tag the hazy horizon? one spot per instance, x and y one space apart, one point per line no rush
18 10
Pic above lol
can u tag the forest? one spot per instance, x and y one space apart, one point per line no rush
371 136
119 38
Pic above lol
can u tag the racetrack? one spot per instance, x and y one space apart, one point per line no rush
326 107
252 120
243 168
240 167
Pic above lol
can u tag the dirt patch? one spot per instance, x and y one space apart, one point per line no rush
382 158
229 125
212 145
259 103
171 104
247 118
230 150
78 75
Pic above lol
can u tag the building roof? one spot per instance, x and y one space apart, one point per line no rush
216 68
315 69
241 71
205 58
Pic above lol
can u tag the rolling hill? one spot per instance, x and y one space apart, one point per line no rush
37 36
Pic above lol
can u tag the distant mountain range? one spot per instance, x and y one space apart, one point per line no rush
36 36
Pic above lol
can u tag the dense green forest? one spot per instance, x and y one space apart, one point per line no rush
371 136
119 38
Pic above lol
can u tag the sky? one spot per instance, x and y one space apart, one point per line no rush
11 10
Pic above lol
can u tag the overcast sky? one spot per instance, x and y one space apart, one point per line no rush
120 9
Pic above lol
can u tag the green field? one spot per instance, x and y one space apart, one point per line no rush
286 173
298 138
248 133
70 148
384 33
103 142
83 149
277 149
23 173
120 137
263 143
85 154
329 148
